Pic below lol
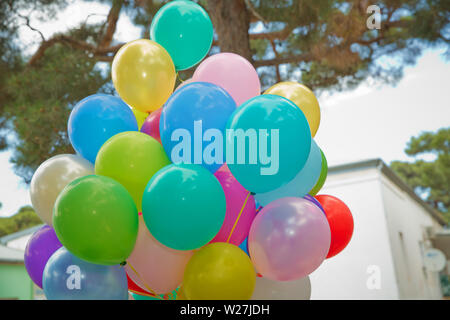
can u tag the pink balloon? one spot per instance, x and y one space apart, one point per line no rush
157 267
151 124
289 239
235 195
233 73
184 83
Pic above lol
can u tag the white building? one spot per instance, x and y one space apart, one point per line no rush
392 229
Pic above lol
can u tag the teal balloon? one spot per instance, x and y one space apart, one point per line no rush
185 30
303 182
183 206
283 126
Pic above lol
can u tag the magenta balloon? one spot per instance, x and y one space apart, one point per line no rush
40 247
289 239
235 196
233 73
156 267
151 125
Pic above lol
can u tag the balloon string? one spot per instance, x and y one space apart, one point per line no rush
238 217
145 285
178 76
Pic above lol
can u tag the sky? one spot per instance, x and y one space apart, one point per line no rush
367 122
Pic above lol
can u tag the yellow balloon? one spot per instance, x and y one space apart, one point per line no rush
303 97
219 271
140 117
143 74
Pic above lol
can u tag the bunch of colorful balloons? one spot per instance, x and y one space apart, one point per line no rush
200 192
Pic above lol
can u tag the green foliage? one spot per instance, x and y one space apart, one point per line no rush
324 44
39 113
25 218
430 179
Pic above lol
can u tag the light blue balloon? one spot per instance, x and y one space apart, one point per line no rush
95 119
67 277
282 146
244 246
303 182
183 137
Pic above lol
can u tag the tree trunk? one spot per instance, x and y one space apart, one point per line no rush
231 21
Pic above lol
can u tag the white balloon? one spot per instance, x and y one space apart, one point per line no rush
51 177
266 289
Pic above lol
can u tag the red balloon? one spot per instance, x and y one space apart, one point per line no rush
151 124
341 222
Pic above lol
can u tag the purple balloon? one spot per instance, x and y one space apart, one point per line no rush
314 200
289 239
42 244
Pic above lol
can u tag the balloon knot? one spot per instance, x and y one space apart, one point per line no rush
123 264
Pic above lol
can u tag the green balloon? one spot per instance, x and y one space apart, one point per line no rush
96 219
322 177
185 30
183 206
131 158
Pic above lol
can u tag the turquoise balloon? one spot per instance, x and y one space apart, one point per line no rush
276 147
303 182
185 30
183 206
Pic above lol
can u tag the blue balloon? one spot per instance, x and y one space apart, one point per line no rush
303 182
95 119
192 124
67 277
244 246
270 141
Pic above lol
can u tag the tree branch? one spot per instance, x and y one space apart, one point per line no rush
100 51
284 60
255 15
275 35
27 23
277 67
111 22
76 44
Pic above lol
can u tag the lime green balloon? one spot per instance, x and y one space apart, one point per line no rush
96 219
184 206
322 177
185 30
131 158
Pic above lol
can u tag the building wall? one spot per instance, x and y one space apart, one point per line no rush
15 282
407 222
19 243
365 269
